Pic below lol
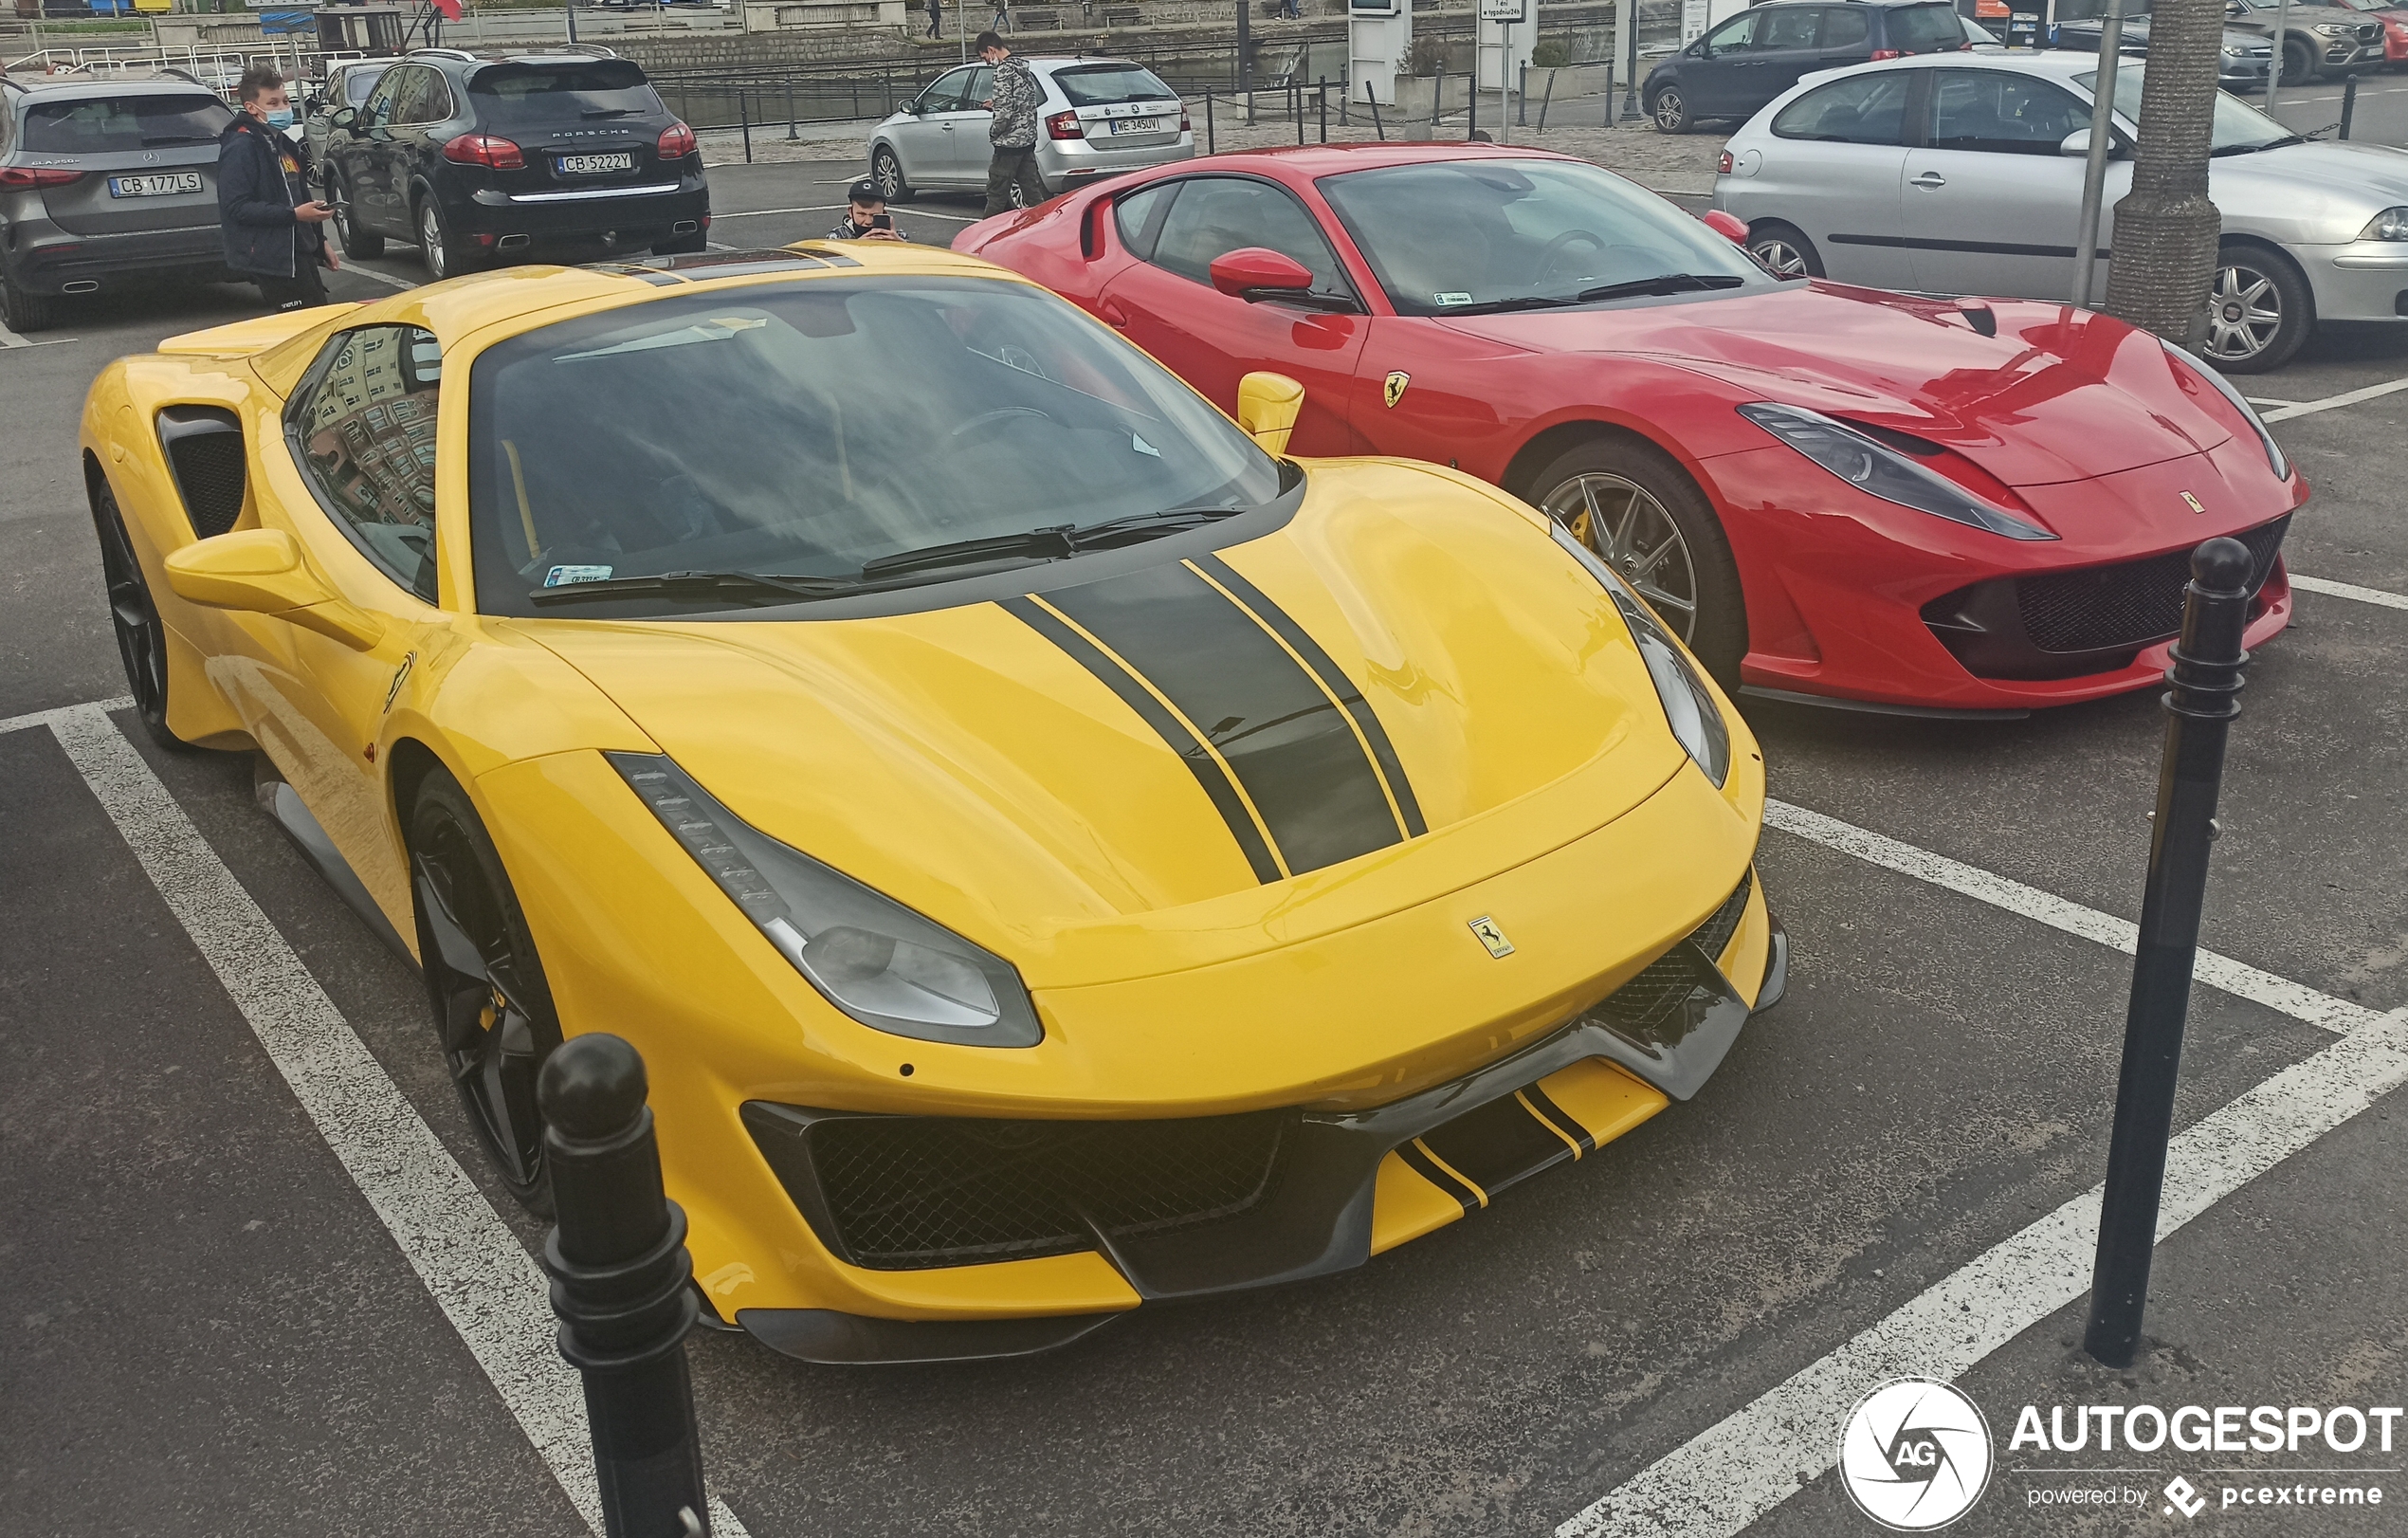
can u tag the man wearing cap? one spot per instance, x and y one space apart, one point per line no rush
864 216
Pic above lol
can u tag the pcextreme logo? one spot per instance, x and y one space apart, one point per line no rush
1915 1455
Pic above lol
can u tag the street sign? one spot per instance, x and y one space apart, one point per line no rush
285 23
1516 11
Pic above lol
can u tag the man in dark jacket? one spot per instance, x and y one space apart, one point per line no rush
1012 131
273 228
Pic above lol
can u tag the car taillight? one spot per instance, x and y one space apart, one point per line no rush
1724 164
484 150
1887 53
1185 127
1064 125
25 178
677 142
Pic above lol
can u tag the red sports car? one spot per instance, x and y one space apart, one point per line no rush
1835 493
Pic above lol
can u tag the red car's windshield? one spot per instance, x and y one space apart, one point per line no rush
1452 236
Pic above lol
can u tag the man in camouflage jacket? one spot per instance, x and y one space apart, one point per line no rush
1012 131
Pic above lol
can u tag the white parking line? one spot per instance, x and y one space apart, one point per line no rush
487 1284
2220 972
917 212
366 271
1734 1471
44 718
10 339
2349 590
2347 397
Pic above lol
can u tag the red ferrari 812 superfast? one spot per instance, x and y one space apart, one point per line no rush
1834 493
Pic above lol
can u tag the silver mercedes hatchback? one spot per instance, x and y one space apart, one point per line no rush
1962 175
1098 118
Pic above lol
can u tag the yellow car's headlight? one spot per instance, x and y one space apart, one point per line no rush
1689 705
869 955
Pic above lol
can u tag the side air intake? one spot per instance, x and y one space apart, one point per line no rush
204 448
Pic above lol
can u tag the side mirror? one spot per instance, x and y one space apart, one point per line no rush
1266 407
343 117
259 572
1253 273
1729 226
2078 143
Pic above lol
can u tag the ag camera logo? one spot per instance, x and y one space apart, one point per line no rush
1915 1455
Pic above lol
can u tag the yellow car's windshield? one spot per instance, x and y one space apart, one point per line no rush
774 443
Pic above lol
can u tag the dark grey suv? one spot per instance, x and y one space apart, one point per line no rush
103 184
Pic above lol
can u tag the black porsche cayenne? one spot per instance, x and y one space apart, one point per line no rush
483 158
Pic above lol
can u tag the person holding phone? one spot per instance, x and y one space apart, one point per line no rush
274 229
865 216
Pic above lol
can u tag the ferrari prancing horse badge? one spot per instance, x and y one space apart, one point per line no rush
1493 936
1398 380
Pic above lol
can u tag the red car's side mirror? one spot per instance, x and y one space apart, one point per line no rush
1728 225
1252 272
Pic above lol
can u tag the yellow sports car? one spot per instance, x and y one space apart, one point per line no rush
1053 852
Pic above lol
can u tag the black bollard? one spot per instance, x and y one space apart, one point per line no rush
2348 104
2206 676
621 1287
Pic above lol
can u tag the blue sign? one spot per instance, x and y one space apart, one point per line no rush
279 23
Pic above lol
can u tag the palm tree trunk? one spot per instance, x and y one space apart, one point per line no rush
2165 227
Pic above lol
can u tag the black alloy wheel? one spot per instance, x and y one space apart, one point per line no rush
141 640
1634 505
2299 61
493 1009
1671 111
1783 250
356 242
886 170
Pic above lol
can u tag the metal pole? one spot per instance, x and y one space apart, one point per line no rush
1630 62
1373 97
570 10
2282 51
1245 60
2206 678
1521 114
745 117
1322 96
1505 82
1547 100
2348 104
2086 240
1209 136
791 135
622 1287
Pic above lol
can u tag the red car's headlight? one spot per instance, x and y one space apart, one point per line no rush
1880 470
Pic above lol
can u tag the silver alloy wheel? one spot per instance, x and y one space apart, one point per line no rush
2244 314
1669 110
431 239
1780 257
1631 532
889 173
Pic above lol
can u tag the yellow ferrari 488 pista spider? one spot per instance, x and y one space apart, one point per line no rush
1053 852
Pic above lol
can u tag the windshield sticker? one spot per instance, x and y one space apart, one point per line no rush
560 577
1451 298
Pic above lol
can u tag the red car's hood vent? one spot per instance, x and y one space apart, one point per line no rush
2055 397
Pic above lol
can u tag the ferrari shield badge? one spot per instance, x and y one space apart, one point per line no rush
1493 936
2188 501
1398 380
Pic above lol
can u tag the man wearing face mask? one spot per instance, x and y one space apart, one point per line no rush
274 230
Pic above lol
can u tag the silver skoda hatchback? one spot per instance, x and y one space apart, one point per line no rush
1098 118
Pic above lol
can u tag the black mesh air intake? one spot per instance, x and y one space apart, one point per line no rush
205 449
897 1193
2137 603
1647 1000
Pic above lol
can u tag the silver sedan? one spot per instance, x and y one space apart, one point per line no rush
1961 173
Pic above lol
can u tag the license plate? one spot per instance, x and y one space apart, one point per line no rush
158 184
1137 125
589 165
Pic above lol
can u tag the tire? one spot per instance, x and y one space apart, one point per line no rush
2300 64
1670 110
2259 311
22 312
492 1008
885 169
142 639
357 241
1783 249
443 255
1699 598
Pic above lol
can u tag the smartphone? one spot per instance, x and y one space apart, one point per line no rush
884 221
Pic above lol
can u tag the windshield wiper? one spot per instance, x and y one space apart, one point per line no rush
1499 306
1053 543
1663 282
150 141
746 587
2283 143
611 111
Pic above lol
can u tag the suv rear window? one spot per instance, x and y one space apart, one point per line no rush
1925 30
603 88
1100 85
108 124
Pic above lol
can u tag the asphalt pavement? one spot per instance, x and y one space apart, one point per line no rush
219 1326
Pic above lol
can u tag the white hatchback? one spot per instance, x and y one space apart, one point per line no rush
1961 173
1098 118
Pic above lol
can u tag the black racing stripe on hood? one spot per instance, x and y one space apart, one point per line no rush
1285 626
1180 741
1291 749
